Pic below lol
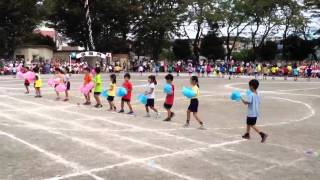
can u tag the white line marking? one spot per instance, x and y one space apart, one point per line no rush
52 156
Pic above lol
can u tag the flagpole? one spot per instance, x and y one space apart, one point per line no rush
88 18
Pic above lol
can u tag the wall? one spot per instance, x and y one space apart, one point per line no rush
34 53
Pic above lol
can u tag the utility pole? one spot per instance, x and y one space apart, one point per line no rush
88 18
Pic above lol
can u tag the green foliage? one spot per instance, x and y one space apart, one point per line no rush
212 47
244 55
267 51
297 48
181 49
17 19
168 55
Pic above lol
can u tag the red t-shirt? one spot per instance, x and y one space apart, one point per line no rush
170 97
128 86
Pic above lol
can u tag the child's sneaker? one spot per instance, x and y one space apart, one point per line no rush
263 137
158 115
186 125
202 127
167 119
246 136
98 106
121 111
147 115
130 113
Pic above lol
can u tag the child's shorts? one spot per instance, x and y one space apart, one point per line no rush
110 98
97 93
68 86
125 100
251 121
193 107
27 84
150 103
167 106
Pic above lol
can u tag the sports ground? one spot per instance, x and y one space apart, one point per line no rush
49 139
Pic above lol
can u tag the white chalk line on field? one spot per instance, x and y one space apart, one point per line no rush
52 156
132 160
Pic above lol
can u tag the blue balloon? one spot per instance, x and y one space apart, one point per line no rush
188 92
167 89
235 96
122 92
142 99
104 93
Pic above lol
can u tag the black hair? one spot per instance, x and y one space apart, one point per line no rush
127 75
87 69
195 80
97 70
169 77
254 84
113 78
153 79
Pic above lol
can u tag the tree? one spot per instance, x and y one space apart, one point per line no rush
297 48
197 17
17 19
38 39
111 21
231 16
212 47
158 19
292 19
264 21
267 51
244 55
181 49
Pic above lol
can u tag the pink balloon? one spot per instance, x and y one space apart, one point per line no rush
51 82
30 76
56 80
90 85
83 89
20 75
61 88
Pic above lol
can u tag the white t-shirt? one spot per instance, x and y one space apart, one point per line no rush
149 88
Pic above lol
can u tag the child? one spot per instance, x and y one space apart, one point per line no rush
295 72
37 86
309 72
169 99
86 80
150 93
26 82
67 83
140 70
97 87
59 77
112 92
194 103
127 98
253 102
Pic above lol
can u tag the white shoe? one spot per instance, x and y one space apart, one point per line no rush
186 125
202 128
147 115
158 115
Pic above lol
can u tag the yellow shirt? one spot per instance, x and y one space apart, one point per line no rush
38 83
112 89
197 91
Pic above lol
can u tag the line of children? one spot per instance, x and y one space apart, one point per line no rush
252 100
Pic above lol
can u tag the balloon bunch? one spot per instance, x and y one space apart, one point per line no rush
85 89
122 92
188 92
